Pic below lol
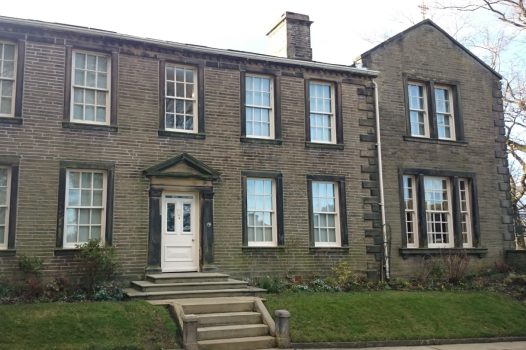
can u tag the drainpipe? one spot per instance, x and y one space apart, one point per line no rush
381 180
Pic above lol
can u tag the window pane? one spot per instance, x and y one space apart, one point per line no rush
73 197
170 219
96 217
3 213
79 77
95 232
84 216
7 88
86 180
71 234
71 217
3 195
97 198
83 234
80 60
9 52
98 180
187 222
5 105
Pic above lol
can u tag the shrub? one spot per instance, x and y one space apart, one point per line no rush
98 264
272 284
456 266
31 268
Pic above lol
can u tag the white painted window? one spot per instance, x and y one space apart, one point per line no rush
444 113
438 212
8 58
90 88
322 116
259 103
85 209
325 214
411 211
261 212
418 119
5 191
180 99
465 213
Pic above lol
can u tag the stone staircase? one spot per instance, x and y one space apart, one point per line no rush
189 285
213 311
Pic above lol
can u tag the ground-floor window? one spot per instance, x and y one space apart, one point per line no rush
5 193
437 208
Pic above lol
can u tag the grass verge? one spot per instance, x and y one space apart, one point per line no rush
90 325
390 315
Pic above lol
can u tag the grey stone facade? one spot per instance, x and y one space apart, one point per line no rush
427 54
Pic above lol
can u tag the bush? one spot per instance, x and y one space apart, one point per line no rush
272 284
31 268
98 264
456 266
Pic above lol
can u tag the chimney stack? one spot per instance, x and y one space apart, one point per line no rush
290 37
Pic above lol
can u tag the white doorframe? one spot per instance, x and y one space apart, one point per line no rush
179 238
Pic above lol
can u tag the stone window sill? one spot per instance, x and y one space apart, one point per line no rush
66 251
8 120
182 135
329 250
407 252
435 141
79 126
335 146
261 141
247 249
7 252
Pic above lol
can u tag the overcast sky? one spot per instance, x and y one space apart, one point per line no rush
342 29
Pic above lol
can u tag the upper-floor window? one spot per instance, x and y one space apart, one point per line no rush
444 113
418 110
90 88
180 99
432 115
437 209
259 106
8 68
322 116
5 192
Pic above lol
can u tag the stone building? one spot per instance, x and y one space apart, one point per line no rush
446 178
189 158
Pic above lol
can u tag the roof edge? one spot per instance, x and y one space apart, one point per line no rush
436 26
189 47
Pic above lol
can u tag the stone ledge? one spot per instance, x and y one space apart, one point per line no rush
183 135
7 252
406 252
93 127
254 140
8 120
66 251
247 249
335 146
435 141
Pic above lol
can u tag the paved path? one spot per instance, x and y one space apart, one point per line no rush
519 345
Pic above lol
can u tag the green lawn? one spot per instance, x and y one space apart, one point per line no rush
89 325
362 316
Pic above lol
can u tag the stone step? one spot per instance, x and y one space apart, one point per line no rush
248 343
216 305
147 286
186 277
229 318
232 331
211 293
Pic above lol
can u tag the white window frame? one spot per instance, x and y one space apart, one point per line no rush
468 234
449 215
3 245
13 79
332 115
103 207
336 213
273 213
413 212
84 87
450 115
272 133
424 110
195 100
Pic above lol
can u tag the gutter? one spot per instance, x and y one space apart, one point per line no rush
381 180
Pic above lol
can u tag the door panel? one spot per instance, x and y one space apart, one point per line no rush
179 233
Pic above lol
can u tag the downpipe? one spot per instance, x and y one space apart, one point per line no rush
386 254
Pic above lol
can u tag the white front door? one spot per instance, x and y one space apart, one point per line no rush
180 233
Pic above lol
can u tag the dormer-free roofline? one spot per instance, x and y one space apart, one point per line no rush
103 34
437 27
